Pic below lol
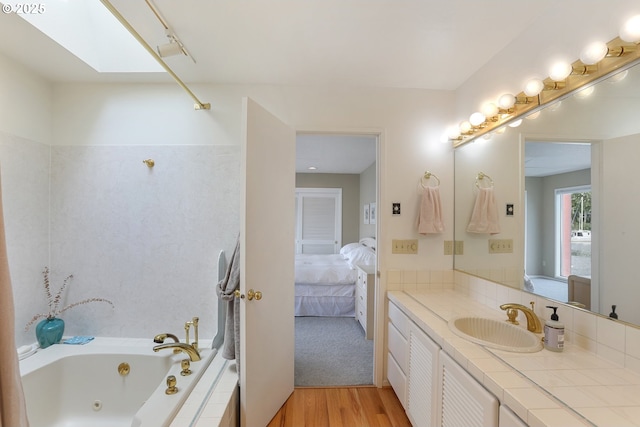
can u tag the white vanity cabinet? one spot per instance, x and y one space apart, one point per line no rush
433 388
462 400
364 298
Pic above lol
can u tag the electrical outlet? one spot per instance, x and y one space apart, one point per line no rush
458 247
500 246
448 247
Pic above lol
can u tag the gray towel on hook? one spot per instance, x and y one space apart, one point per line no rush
225 291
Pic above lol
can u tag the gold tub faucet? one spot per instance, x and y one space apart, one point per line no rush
159 339
192 352
533 323
193 322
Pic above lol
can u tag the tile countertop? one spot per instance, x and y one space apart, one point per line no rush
571 388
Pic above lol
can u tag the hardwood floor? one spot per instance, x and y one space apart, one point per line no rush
341 407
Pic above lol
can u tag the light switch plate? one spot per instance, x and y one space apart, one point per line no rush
500 246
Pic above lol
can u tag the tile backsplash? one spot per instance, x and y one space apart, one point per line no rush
614 341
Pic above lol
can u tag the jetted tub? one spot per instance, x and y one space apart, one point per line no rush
81 385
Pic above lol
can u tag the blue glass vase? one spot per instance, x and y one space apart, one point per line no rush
49 331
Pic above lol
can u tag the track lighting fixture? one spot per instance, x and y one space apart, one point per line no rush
173 48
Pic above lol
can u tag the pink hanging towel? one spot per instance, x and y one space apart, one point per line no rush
484 219
429 219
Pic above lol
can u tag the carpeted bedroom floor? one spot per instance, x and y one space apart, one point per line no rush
332 351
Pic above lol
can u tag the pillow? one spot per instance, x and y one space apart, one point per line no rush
369 241
344 251
361 255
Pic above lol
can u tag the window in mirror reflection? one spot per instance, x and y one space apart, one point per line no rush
557 216
574 223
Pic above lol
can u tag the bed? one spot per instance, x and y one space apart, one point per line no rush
325 284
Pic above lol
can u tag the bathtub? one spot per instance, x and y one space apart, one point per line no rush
80 385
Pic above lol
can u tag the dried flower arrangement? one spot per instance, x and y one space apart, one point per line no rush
55 299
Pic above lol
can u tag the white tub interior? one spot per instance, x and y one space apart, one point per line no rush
69 385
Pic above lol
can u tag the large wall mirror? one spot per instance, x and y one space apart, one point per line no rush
571 175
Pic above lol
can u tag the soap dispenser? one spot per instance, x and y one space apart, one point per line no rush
613 313
553 332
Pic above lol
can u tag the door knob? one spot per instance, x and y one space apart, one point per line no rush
251 294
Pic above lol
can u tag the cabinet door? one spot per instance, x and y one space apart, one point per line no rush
397 379
462 400
422 378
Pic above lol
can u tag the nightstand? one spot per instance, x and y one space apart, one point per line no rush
365 292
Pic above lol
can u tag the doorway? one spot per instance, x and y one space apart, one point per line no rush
332 348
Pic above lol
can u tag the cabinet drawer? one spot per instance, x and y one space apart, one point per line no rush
361 314
399 319
397 379
398 346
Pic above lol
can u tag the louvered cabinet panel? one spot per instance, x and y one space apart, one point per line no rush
422 378
463 401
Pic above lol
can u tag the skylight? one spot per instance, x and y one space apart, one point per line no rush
89 31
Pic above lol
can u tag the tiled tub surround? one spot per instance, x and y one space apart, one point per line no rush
574 388
214 400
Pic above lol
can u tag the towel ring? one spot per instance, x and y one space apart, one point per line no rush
481 176
427 176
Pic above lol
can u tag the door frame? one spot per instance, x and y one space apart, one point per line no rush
380 285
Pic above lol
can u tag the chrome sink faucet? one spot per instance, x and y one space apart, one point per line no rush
533 322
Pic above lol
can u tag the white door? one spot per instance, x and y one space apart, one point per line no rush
267 254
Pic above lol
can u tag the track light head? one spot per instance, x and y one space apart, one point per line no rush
170 49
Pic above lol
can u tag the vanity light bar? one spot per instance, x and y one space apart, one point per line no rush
620 55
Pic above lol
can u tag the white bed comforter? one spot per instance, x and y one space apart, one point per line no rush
324 270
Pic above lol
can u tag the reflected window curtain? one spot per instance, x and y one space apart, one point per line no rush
13 412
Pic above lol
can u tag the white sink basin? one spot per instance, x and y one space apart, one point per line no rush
495 334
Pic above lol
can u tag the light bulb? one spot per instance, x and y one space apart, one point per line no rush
506 101
618 76
533 87
630 31
555 106
453 132
534 116
476 119
489 109
560 71
516 123
465 127
585 93
593 53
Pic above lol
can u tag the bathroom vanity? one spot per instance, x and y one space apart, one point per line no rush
466 383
